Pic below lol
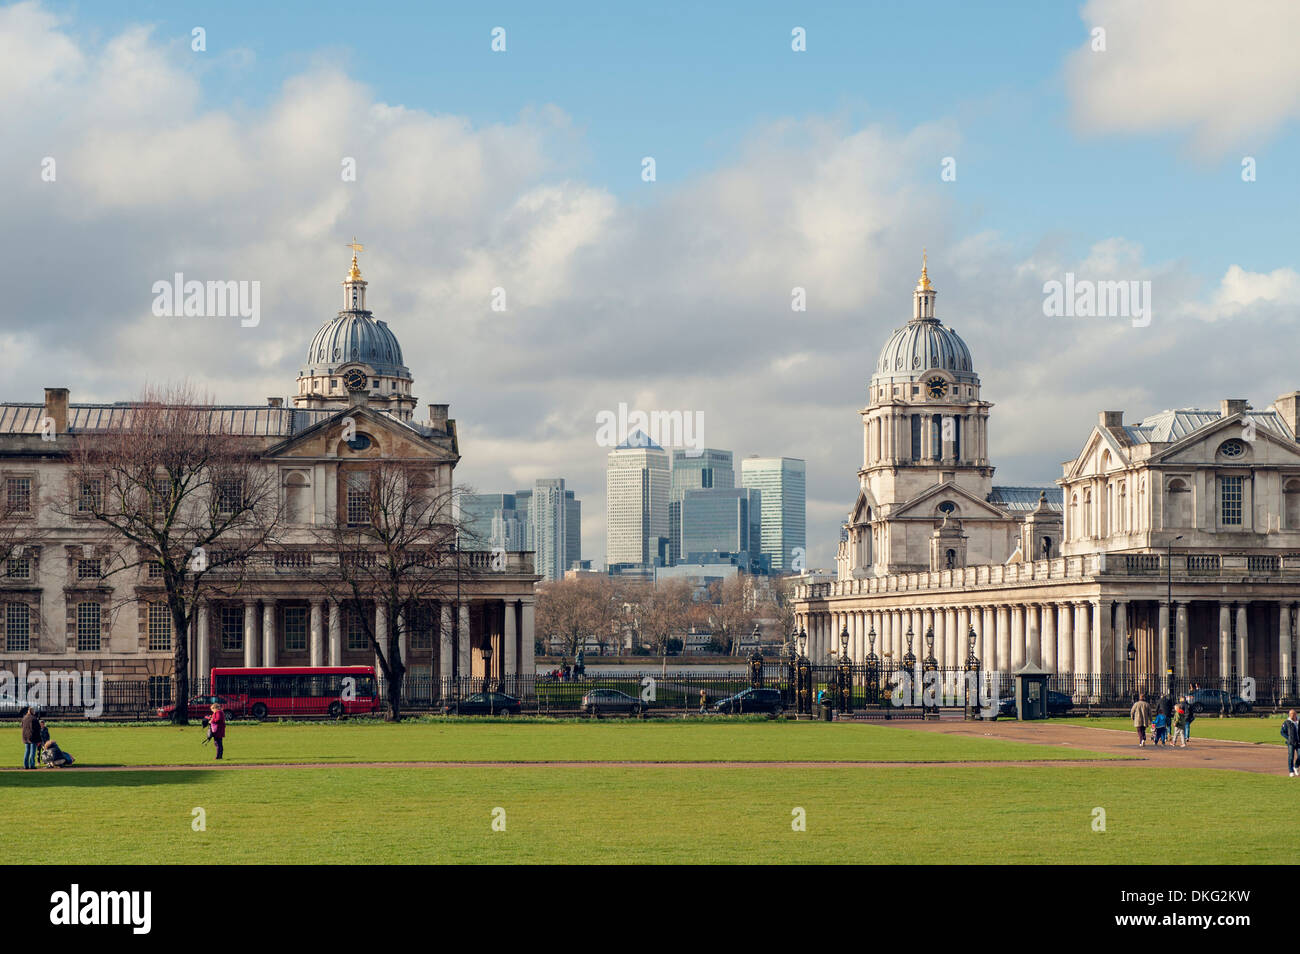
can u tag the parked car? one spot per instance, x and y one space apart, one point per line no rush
487 703
611 700
752 700
1058 704
201 706
1216 700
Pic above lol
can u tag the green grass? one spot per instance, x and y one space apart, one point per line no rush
1242 728
528 741
661 814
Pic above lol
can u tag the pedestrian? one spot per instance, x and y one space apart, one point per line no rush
31 737
1166 707
1291 732
1191 716
1141 716
1180 726
703 701
217 726
1161 726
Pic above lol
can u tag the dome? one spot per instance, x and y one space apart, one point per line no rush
355 336
923 345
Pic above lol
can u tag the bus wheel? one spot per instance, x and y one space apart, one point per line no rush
336 709
259 711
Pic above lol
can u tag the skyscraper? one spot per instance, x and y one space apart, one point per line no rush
637 479
490 521
546 520
550 510
720 522
782 483
705 470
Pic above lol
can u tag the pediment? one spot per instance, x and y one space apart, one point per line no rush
1088 462
1202 447
388 439
970 507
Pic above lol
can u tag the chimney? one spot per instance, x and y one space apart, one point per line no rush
1230 406
438 416
1288 405
56 407
1111 418
274 402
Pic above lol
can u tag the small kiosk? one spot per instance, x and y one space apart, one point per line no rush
1031 692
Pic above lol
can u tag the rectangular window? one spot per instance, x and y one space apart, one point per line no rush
355 630
88 627
160 627
232 629
421 626
90 496
18 568
155 570
18 494
88 569
295 628
18 628
1230 501
230 495
916 437
358 499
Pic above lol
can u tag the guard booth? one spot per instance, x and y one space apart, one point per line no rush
1031 692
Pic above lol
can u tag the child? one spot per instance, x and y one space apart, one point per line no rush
1180 726
1160 724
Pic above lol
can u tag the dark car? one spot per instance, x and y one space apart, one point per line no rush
200 707
611 700
752 700
1217 700
1058 704
487 703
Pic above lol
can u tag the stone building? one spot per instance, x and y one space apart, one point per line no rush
353 407
1177 536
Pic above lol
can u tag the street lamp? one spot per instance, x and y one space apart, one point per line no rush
1132 654
844 641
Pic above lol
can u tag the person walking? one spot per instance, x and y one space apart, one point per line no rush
1165 706
1291 732
217 726
1180 726
1141 716
31 738
1187 723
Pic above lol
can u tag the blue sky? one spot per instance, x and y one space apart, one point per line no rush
775 169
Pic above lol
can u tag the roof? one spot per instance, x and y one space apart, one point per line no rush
244 420
1167 427
1025 499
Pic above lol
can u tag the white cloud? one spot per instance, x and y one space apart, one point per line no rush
1225 73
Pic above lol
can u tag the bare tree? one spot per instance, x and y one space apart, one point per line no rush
184 501
667 610
577 607
733 610
395 543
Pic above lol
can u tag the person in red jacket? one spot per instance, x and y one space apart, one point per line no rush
217 726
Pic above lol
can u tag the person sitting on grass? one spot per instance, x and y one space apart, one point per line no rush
55 756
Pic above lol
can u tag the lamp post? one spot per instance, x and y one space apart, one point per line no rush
930 665
1169 595
1132 654
972 682
792 674
803 699
844 673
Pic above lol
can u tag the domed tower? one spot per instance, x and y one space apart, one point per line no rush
355 352
925 423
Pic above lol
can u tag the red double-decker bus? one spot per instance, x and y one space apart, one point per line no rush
265 693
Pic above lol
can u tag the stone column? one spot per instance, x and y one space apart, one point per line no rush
963 631
510 635
1065 637
1243 644
954 639
464 638
381 631
1181 647
1162 639
1082 644
1048 638
1017 637
318 632
1004 639
1121 640
252 657
268 633
336 635
1284 646
988 644
527 659
1033 635
445 648
1101 657
202 661
1225 642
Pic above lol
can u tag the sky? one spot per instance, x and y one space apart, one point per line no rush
1011 140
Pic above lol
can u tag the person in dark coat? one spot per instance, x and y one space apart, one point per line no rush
217 726
31 738
1165 706
1291 732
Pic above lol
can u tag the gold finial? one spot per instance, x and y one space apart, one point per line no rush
924 282
354 273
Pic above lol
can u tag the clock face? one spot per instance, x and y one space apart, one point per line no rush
355 380
936 387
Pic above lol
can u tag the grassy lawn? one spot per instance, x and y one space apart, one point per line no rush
525 741
1243 728
663 814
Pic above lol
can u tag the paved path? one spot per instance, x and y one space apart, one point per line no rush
1200 753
